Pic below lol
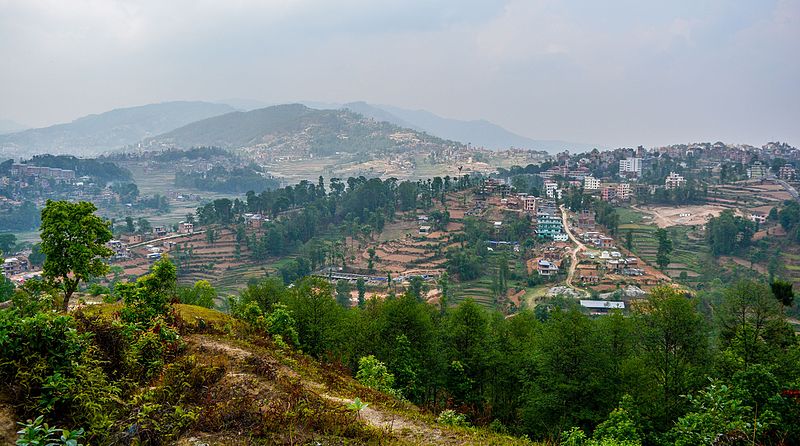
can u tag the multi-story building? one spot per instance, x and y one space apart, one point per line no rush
757 171
758 217
14 265
548 226
608 193
623 191
185 227
591 183
630 167
546 268
26 170
120 249
674 181
787 172
528 204
550 188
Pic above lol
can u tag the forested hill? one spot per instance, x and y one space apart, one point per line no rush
296 128
107 131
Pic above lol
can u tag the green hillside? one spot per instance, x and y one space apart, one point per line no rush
297 128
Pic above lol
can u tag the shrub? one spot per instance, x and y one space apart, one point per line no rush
374 374
37 433
452 418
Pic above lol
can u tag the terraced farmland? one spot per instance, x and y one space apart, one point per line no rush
689 250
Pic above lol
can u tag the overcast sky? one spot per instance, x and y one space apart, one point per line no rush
618 73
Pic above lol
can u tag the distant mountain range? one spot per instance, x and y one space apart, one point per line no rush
9 126
480 133
94 134
244 122
295 128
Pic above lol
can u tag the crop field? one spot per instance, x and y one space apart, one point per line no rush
689 251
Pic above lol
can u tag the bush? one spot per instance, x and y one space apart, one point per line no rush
452 418
374 374
38 433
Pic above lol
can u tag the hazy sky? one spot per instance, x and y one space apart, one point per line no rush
623 72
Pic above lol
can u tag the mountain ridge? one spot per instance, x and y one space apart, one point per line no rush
478 132
294 128
97 133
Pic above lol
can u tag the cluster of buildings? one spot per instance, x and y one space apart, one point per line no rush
26 170
15 265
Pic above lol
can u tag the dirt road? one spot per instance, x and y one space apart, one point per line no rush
579 246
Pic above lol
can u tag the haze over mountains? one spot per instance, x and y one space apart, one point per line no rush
182 123
476 132
9 126
294 127
94 134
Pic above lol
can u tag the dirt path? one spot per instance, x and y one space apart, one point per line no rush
400 426
579 246
407 429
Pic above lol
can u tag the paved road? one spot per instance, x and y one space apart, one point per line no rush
789 188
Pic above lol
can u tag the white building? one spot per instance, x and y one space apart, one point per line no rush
674 181
591 183
552 190
630 166
757 171
623 191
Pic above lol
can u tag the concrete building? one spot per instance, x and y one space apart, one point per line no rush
185 227
609 193
548 226
757 171
674 181
26 170
120 249
14 265
529 204
546 268
787 172
758 217
623 192
551 189
630 167
159 231
591 183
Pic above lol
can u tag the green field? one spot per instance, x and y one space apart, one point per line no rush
688 255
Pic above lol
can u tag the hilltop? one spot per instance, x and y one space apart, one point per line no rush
94 134
230 383
295 128
479 133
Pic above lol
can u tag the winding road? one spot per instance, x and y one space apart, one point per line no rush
579 246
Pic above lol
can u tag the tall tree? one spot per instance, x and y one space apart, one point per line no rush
74 241
664 248
675 350
361 286
749 318
343 289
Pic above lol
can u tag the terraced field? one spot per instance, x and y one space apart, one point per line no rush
480 290
688 254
